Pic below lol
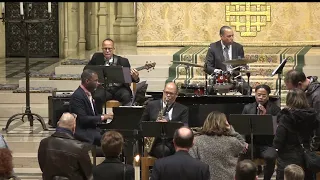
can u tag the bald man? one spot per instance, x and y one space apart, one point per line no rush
61 155
180 166
171 111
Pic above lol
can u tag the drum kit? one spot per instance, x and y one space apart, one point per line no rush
220 81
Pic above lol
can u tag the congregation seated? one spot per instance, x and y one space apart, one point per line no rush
61 156
219 146
180 166
293 172
246 170
112 168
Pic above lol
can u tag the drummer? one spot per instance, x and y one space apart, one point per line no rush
224 50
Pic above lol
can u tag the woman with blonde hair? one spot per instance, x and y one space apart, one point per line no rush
297 123
219 146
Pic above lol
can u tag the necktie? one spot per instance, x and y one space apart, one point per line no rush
226 56
91 102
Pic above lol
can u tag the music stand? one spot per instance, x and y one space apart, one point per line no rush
127 126
111 74
161 130
252 124
278 71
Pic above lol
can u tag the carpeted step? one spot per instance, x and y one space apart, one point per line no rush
35 90
7 87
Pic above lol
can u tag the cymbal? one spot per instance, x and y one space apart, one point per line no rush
240 61
187 63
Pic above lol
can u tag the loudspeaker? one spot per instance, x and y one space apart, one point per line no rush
57 106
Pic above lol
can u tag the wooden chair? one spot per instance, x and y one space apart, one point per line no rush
115 103
146 163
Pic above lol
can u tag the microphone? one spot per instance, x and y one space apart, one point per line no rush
258 109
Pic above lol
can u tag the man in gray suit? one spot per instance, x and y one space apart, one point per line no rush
224 50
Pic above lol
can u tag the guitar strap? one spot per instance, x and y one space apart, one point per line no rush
115 60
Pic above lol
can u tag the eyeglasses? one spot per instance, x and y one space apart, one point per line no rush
169 93
107 49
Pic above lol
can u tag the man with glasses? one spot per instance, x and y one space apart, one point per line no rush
117 91
171 111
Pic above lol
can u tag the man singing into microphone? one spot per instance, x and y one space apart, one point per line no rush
262 143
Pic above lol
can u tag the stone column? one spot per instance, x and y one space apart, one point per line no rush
102 22
2 36
82 38
65 30
72 28
92 25
125 26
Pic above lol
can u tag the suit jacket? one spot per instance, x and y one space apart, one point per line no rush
61 155
180 166
87 120
98 59
215 56
179 113
272 109
113 169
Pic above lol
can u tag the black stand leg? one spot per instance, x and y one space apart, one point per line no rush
279 78
31 116
251 141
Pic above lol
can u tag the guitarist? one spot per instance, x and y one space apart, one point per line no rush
116 91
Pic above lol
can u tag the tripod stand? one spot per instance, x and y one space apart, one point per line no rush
25 21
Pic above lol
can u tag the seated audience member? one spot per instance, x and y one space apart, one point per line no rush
219 146
297 123
6 165
112 168
173 111
293 172
246 170
262 143
61 155
180 166
117 91
82 104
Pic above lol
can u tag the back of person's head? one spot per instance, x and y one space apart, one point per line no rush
246 170
183 138
293 172
296 99
294 77
216 124
6 166
68 121
112 143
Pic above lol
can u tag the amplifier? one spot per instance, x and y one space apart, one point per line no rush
57 106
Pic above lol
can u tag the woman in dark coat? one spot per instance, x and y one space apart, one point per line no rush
296 120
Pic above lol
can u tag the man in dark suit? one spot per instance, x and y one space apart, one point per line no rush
263 143
180 166
224 50
61 156
171 111
117 91
83 105
112 168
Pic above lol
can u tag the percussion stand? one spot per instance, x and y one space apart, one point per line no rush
248 75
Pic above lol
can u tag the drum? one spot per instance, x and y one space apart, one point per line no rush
192 89
223 77
222 82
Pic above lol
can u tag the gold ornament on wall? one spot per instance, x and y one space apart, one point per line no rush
248 17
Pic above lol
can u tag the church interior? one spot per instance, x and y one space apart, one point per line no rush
175 36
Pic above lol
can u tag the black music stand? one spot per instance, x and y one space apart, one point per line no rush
111 74
161 130
128 126
278 71
252 124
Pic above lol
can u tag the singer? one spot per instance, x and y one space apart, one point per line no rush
171 111
262 143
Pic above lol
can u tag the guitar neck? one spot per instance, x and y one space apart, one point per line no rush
140 68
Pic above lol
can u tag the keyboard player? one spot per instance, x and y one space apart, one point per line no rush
262 143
